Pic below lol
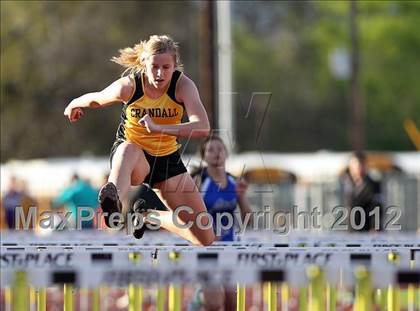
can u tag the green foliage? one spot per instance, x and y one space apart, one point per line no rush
52 52
391 46
288 55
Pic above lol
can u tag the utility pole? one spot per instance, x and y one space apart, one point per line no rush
206 59
225 115
357 109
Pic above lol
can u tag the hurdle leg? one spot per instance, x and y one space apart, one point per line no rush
139 293
160 298
175 297
317 301
240 297
270 295
68 297
135 297
363 299
32 297
8 298
380 298
20 292
96 299
41 299
303 299
393 303
331 298
284 290
410 297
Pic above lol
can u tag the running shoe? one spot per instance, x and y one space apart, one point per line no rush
147 200
110 203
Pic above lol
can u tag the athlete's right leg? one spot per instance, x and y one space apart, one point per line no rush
129 167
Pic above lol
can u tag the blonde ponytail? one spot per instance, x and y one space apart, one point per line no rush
134 58
131 58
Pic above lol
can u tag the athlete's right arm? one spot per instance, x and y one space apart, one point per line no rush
119 91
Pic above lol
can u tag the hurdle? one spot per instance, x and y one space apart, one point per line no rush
316 287
383 273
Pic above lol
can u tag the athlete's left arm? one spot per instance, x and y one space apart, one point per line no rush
198 124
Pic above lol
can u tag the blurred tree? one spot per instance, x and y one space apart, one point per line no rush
391 45
287 50
52 52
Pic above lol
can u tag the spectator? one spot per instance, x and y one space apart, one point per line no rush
359 189
11 200
27 201
78 194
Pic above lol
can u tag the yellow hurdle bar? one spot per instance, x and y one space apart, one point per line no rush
68 297
284 296
317 290
139 294
8 298
381 299
303 299
331 298
175 293
32 297
175 298
160 298
96 299
240 297
135 291
135 297
270 295
131 298
20 292
411 298
392 298
363 300
41 299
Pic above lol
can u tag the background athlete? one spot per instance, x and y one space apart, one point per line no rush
222 194
221 191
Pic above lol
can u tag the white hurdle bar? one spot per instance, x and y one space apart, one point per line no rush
319 267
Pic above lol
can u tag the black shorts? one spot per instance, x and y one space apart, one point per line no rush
161 168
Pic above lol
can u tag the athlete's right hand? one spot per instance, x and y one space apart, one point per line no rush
73 114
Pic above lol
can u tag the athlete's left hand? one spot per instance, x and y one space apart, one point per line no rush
148 123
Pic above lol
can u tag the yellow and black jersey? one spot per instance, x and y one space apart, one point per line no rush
163 110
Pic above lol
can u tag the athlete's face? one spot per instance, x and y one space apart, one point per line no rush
159 69
215 153
357 168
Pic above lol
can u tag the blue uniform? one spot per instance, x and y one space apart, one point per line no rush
219 200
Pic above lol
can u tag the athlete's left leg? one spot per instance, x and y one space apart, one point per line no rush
179 191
